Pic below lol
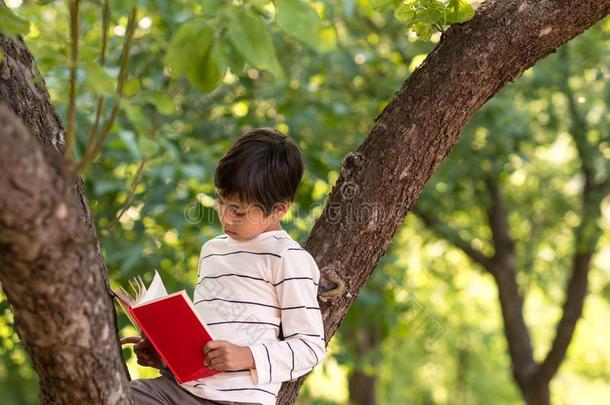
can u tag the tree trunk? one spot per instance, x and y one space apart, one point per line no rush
72 340
52 274
365 345
361 388
537 393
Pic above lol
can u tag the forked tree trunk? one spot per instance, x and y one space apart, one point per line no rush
74 347
53 276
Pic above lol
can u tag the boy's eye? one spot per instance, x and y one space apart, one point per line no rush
234 211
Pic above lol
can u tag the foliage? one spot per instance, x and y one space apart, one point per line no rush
201 73
424 16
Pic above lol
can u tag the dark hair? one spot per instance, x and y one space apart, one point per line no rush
262 167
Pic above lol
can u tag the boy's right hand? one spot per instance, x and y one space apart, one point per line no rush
145 352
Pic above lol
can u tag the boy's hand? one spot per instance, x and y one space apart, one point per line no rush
145 352
225 356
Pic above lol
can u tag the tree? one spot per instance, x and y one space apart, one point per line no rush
405 145
513 249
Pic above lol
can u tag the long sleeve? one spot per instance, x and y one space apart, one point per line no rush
296 283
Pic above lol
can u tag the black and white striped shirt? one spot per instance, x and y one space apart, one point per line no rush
260 293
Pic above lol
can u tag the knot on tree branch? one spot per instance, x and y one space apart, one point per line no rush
352 163
332 287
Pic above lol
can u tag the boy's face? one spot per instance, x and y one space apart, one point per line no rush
243 221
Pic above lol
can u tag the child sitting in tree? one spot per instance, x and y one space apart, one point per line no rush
256 286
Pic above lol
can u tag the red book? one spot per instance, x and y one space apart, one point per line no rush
173 326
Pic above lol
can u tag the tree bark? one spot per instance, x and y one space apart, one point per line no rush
381 180
56 284
406 144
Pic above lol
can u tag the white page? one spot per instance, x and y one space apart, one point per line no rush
155 290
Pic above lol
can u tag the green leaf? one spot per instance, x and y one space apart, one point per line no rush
131 87
235 61
12 25
405 12
207 73
430 15
161 101
460 11
300 20
424 31
252 39
1 56
191 42
192 51
147 146
136 116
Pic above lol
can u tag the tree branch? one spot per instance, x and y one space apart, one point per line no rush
102 58
572 311
497 217
73 61
511 300
97 143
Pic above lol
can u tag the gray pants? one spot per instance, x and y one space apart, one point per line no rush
164 390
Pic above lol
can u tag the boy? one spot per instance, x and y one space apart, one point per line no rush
256 287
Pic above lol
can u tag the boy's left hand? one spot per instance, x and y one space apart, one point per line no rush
225 356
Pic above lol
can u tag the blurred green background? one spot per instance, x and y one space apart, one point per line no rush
428 324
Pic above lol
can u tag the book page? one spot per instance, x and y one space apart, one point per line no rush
127 312
155 290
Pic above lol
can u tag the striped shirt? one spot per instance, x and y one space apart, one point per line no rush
260 293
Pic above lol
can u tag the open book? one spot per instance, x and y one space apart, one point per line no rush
171 323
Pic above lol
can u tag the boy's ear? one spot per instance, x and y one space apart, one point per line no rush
282 208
